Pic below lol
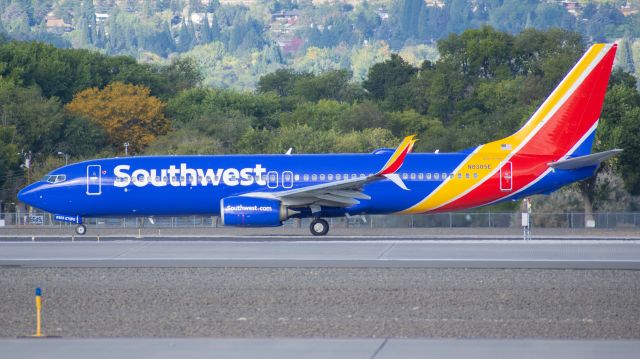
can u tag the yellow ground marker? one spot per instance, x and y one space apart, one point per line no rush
38 313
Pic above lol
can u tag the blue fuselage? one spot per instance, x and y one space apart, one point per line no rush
184 185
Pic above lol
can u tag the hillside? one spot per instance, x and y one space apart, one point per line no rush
236 41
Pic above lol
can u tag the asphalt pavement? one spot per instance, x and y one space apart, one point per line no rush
317 348
302 252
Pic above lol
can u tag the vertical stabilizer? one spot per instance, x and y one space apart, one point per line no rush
568 117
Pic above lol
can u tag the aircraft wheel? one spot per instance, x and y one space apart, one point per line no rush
81 229
319 227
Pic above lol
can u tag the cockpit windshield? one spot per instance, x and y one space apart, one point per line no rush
54 178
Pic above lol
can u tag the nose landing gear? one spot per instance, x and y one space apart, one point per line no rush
81 229
319 227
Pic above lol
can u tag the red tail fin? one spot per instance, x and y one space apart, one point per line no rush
571 112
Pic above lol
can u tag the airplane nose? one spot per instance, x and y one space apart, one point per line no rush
28 195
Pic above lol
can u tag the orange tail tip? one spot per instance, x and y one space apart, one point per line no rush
395 162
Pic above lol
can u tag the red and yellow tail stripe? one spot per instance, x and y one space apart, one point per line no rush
396 160
569 112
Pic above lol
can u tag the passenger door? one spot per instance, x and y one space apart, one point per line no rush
506 177
94 180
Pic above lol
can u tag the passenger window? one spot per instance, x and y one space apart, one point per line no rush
405 176
338 176
459 175
322 177
314 177
475 175
296 178
306 178
444 176
428 176
420 176
466 175
413 176
330 177
353 175
436 176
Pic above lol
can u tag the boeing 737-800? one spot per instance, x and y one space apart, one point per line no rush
552 149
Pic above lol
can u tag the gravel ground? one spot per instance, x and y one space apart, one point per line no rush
327 302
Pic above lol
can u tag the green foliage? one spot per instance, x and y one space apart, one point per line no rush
330 85
185 141
62 73
483 86
619 126
282 82
321 116
33 116
387 75
631 156
221 69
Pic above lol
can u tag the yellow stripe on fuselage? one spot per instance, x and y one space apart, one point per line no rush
488 158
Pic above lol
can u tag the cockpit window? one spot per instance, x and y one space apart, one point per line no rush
54 178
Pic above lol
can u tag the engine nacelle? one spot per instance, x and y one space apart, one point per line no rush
252 212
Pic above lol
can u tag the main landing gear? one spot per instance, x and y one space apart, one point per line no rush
81 229
319 227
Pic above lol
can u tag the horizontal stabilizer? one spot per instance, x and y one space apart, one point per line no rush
584 161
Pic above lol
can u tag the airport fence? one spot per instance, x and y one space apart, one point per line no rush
628 220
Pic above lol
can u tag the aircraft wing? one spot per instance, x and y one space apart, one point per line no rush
342 193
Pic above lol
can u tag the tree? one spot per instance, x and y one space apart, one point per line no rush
321 116
182 74
126 112
330 85
628 165
387 75
205 30
282 81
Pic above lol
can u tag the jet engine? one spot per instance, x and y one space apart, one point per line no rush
242 211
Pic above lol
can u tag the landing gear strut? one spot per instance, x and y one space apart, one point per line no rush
81 229
319 227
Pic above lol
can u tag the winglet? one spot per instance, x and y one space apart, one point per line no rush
395 162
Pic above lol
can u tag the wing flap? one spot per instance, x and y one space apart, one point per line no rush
337 199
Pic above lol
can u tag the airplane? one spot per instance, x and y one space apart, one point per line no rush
552 149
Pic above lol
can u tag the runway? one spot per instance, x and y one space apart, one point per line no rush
304 253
